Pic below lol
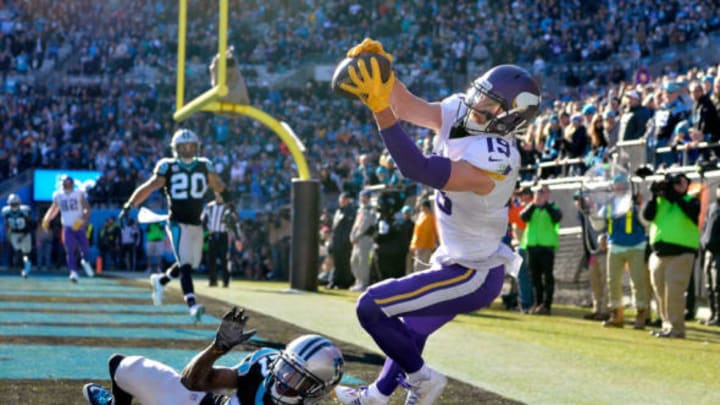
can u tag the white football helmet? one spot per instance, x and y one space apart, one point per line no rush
184 136
308 368
14 200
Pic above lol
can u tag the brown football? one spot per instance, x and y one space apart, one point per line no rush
341 74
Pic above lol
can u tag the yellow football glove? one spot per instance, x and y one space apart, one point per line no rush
77 224
368 45
369 87
46 225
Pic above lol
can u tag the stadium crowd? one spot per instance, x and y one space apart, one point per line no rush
121 127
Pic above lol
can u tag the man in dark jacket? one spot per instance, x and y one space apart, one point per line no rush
634 120
710 245
341 246
704 117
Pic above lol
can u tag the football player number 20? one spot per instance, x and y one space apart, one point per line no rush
183 185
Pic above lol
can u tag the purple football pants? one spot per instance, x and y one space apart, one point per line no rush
75 240
401 313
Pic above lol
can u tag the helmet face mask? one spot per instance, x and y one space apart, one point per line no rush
14 201
306 370
68 184
511 88
185 145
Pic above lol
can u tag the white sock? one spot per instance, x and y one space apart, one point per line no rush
374 392
419 375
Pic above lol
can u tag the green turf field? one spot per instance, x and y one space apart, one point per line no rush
560 359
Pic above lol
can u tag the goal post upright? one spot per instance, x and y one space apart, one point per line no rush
305 190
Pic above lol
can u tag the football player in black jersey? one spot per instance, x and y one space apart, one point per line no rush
184 179
18 225
304 373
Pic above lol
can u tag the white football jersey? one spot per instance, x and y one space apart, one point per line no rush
472 226
70 205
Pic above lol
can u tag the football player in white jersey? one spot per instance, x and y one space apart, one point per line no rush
18 225
473 169
74 212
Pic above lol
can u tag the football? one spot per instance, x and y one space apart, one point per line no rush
341 74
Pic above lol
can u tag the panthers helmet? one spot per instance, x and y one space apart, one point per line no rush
184 136
308 368
14 200
68 183
513 88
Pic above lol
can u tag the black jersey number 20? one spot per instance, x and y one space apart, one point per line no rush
184 186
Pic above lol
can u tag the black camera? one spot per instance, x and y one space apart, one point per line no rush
665 187
659 187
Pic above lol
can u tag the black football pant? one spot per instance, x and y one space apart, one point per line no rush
217 256
540 262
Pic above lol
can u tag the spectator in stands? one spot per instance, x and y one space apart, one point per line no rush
589 112
715 95
576 143
610 127
665 118
620 221
424 238
541 240
634 120
704 118
341 247
598 141
674 239
362 241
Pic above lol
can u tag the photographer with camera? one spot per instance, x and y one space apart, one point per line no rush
390 247
541 239
674 239
626 246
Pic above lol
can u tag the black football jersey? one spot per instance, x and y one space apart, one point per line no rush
185 187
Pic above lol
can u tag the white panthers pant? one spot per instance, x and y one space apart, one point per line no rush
187 243
21 242
154 383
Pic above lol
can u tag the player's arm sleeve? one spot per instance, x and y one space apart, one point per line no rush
161 168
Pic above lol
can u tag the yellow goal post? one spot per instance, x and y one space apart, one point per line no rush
212 99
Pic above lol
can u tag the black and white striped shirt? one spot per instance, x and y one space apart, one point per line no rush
218 218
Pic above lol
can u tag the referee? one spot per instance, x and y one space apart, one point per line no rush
219 218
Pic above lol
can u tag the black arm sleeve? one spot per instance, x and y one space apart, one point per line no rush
554 211
650 209
690 208
527 212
